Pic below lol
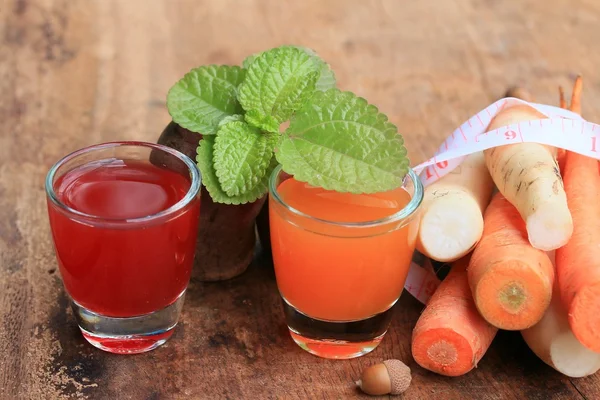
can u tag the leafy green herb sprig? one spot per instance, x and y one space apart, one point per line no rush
335 139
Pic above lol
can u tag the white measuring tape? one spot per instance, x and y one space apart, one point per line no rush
562 129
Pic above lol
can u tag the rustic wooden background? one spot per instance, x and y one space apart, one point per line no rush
79 72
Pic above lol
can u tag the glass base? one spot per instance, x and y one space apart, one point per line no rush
128 335
130 344
336 349
336 339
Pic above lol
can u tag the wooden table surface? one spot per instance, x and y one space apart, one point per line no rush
79 72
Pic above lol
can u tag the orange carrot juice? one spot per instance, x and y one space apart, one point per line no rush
340 258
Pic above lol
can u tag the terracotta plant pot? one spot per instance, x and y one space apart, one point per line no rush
226 233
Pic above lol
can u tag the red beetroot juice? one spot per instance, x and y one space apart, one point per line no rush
113 267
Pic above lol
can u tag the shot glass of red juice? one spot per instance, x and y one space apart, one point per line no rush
124 218
341 261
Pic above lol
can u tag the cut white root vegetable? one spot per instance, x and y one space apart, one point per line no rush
452 211
552 340
529 178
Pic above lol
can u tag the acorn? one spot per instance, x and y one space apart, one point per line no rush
388 377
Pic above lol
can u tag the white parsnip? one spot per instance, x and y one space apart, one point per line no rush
452 210
528 176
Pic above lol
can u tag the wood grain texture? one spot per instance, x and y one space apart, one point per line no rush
79 72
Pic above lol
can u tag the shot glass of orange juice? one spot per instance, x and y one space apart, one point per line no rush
341 261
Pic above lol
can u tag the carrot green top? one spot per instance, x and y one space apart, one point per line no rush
335 140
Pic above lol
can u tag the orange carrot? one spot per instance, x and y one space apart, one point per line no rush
562 101
511 281
576 95
450 336
578 262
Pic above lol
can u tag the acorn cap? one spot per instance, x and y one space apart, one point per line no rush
400 376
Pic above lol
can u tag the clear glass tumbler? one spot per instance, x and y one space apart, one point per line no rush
340 280
124 219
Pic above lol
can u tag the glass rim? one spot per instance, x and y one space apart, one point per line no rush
405 213
193 190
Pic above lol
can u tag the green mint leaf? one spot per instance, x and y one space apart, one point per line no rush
326 78
241 157
278 82
204 96
249 60
263 122
340 142
230 118
204 160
